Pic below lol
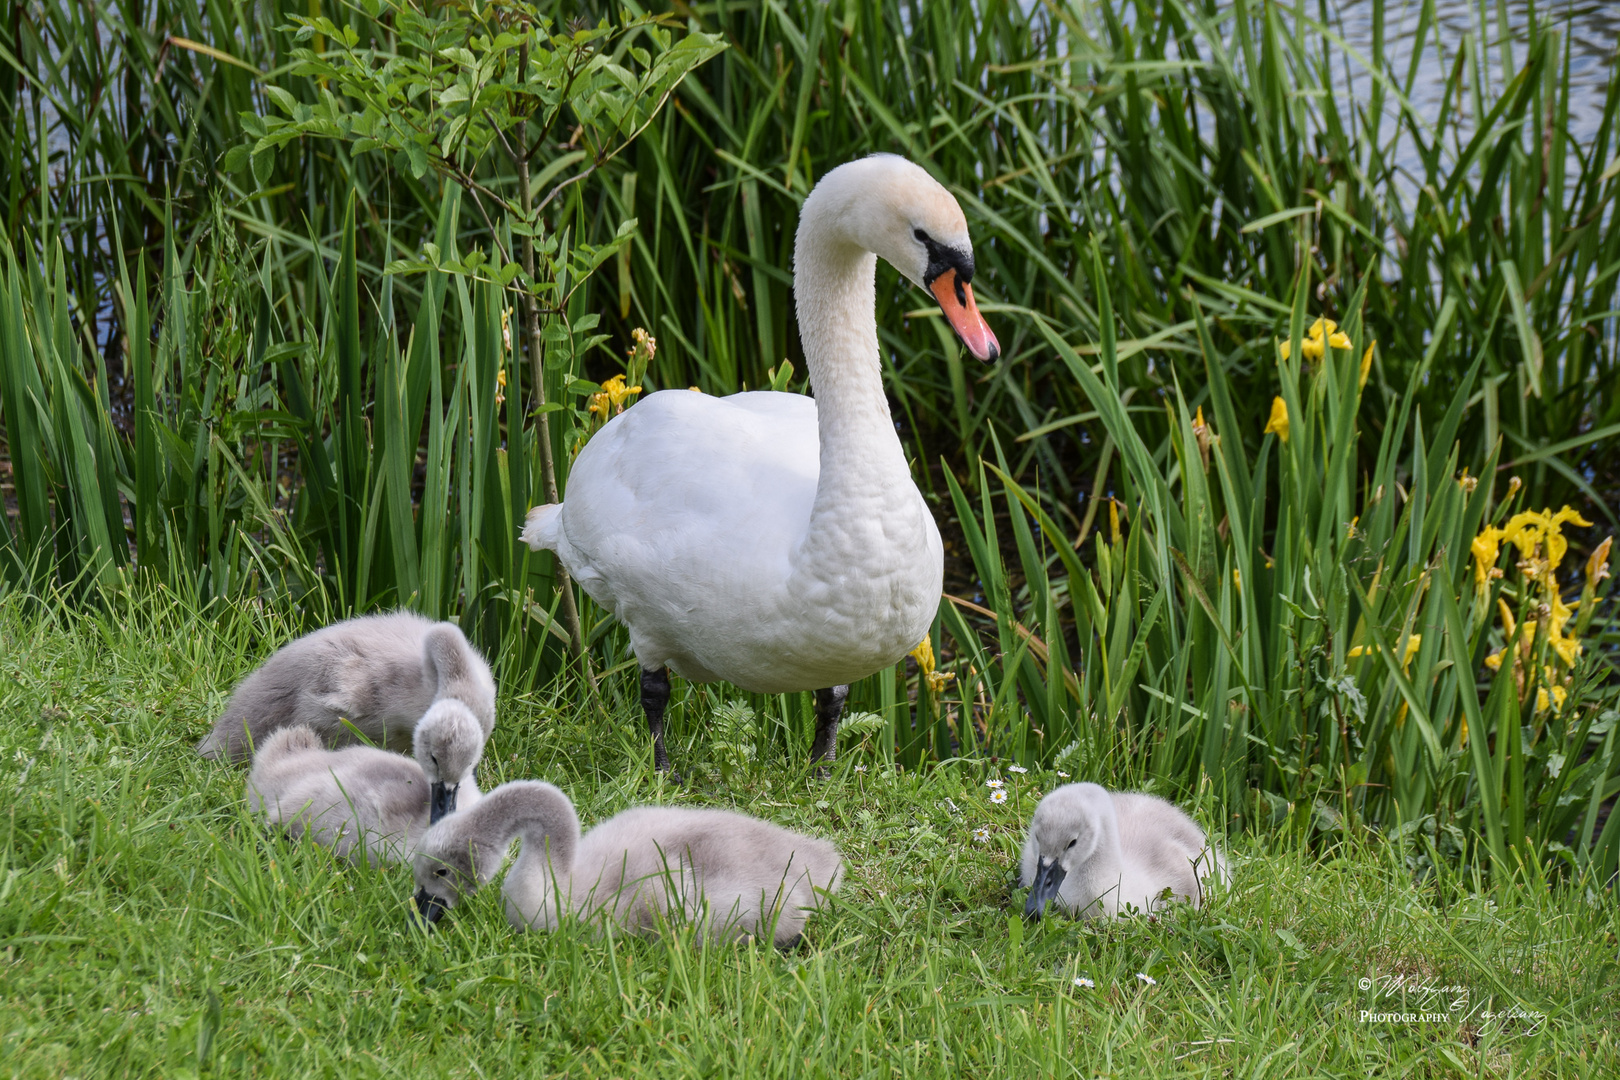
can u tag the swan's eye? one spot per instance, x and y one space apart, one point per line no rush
1071 843
920 235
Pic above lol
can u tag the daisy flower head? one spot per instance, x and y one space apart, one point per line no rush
981 834
1084 983
1017 769
995 785
1063 774
998 796
1150 980
860 768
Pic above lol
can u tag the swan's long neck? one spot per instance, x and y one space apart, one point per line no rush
545 821
862 463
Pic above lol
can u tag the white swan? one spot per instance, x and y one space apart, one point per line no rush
364 801
378 672
733 875
1097 852
768 539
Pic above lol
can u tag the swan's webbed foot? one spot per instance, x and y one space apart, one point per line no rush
829 708
655 690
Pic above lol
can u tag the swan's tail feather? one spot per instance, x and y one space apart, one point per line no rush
540 531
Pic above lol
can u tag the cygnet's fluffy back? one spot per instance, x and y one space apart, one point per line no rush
362 801
1167 845
738 875
378 672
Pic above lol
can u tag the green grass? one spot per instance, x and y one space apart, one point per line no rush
149 927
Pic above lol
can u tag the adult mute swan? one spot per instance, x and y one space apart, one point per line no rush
1096 852
768 539
734 875
378 672
364 801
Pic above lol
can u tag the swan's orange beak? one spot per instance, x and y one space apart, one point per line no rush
956 299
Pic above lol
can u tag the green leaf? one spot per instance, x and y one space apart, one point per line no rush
418 159
283 98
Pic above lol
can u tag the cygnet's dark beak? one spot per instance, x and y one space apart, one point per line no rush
429 908
442 801
1048 879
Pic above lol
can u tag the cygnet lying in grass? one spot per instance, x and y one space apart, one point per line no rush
1097 852
378 672
734 875
364 802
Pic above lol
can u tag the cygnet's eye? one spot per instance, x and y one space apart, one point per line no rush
441 871
1071 843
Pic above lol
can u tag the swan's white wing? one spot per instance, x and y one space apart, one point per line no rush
688 496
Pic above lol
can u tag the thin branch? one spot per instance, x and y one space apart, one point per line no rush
548 472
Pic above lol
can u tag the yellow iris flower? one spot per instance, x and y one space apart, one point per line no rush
924 655
1485 548
1559 695
1529 529
1322 333
1413 643
614 395
1566 646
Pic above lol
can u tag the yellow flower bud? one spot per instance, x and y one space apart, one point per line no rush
1597 567
1278 424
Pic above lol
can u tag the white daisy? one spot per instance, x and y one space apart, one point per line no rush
1017 769
1150 980
1084 983
981 834
1063 774
860 768
998 796
995 784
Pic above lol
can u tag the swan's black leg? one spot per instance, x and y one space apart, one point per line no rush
829 707
654 699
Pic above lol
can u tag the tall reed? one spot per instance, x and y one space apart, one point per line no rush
207 375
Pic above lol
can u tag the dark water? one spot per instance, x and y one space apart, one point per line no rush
1589 28
1493 34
